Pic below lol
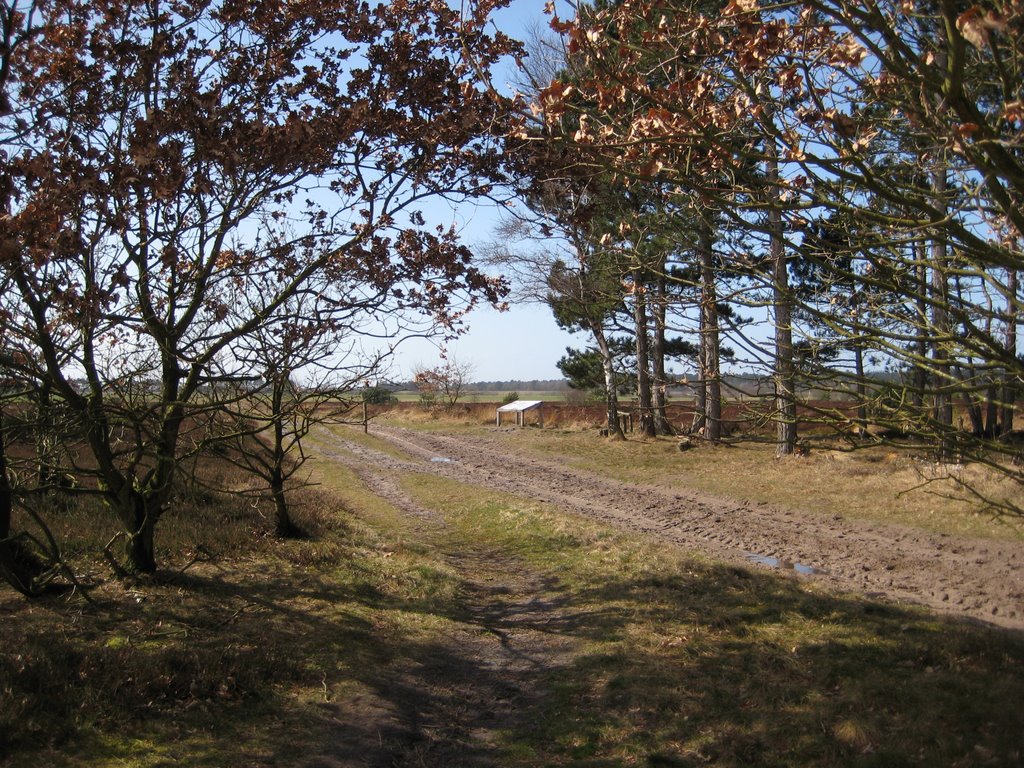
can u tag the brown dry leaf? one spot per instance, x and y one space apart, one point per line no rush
972 25
967 130
1014 111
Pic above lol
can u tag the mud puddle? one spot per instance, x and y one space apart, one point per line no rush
784 565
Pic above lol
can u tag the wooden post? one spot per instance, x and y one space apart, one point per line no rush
366 419
625 421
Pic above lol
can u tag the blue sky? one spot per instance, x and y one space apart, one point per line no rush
523 343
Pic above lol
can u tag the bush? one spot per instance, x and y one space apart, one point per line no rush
379 396
510 397
580 398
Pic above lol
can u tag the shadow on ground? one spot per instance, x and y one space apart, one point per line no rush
706 666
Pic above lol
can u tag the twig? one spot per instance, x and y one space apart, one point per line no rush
119 572
200 552
234 615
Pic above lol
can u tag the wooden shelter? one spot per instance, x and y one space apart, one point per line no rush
521 408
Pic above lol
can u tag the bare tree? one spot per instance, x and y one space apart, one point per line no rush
444 384
300 370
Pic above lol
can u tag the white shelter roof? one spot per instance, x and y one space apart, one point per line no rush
519 406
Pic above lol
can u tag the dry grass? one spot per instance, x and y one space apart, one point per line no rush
682 662
879 483
348 647
227 660
467 415
356 434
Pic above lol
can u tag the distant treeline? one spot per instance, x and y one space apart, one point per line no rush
534 385
734 385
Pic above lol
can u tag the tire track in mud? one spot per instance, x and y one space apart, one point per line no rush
376 471
975 578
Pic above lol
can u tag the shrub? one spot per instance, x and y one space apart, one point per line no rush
379 396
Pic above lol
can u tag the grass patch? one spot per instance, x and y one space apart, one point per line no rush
686 662
383 638
355 434
578 551
229 662
878 484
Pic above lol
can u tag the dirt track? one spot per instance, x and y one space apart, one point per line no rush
979 579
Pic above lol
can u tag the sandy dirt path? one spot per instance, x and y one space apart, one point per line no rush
974 578
446 702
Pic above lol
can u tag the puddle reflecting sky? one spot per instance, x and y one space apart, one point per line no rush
775 562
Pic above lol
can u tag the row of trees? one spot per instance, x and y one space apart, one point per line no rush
849 175
211 226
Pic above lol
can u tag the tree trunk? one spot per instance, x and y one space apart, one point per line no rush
709 337
18 567
785 375
140 551
643 359
661 422
611 394
862 389
136 508
8 562
700 390
942 374
921 344
1009 393
141 508
284 526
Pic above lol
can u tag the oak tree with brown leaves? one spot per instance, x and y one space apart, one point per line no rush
174 171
